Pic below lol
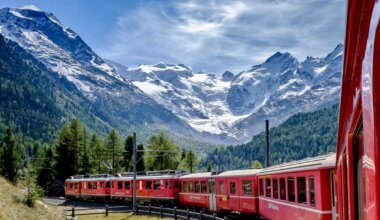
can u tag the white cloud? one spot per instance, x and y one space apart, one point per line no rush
217 35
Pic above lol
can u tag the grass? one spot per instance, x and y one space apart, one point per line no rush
12 206
119 216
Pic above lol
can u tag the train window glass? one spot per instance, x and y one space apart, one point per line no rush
247 187
127 185
282 189
221 187
232 188
261 187
120 185
157 185
89 185
168 184
301 189
95 185
203 187
312 190
275 188
197 187
76 185
191 188
212 186
268 187
108 184
291 191
176 184
148 184
185 186
71 185
101 185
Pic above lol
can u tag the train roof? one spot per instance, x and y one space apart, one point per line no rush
246 172
198 175
311 163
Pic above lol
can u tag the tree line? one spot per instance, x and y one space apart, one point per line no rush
77 151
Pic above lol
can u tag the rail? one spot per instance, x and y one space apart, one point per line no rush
160 211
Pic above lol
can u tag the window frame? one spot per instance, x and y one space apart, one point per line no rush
245 190
261 187
150 185
221 188
312 196
232 189
127 184
197 187
156 184
268 188
293 180
203 187
299 192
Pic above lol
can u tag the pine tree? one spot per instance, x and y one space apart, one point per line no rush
140 165
183 154
76 144
86 166
128 152
191 161
209 167
10 157
65 155
97 153
46 175
163 153
113 146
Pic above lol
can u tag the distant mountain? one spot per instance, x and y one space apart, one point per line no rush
38 39
302 135
234 107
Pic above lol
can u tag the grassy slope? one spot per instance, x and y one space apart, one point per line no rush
12 206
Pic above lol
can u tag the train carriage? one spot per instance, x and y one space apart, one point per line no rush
93 187
298 190
198 190
236 191
359 117
155 187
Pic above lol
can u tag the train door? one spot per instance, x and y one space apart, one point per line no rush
233 192
212 195
332 186
359 175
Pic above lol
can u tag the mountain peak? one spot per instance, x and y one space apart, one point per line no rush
227 76
338 51
29 7
279 57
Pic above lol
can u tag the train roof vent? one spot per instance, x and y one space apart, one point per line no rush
166 172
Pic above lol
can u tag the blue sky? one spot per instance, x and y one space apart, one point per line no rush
212 35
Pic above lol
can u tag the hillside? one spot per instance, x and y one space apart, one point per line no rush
12 207
302 135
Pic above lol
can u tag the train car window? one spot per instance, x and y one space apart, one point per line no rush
197 186
120 185
76 185
95 185
176 184
247 187
221 187
148 184
291 191
71 186
108 184
203 187
232 188
261 187
301 189
157 185
127 185
168 184
275 188
282 189
312 190
191 188
101 185
89 185
268 188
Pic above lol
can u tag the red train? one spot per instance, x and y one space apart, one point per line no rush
291 190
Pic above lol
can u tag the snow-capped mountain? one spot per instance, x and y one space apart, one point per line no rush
225 108
235 106
111 97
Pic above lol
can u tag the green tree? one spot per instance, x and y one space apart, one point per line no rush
10 158
46 175
97 154
127 153
76 144
113 147
86 165
256 164
183 154
140 165
65 157
163 153
191 161
209 167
